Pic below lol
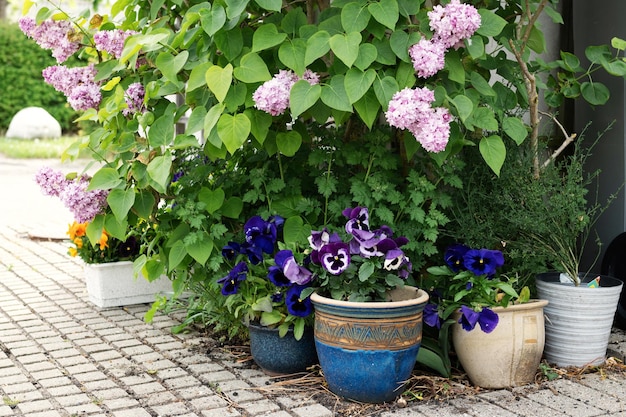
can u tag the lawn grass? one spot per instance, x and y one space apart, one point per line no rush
35 148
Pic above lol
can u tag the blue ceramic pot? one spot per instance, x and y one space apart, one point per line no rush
367 350
277 355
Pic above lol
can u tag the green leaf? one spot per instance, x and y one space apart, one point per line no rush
196 120
454 66
94 229
121 202
116 228
212 199
476 47
298 328
354 17
233 130
269 318
346 47
234 8
295 230
367 108
266 36
357 83
493 152
334 94
176 255
105 179
481 85
293 54
271 5
595 93
213 20
161 132
515 128
367 55
490 23
400 42
144 203
201 249
212 117
365 271
385 12
619 44
484 118
302 96
464 106
288 143
252 69
232 207
159 171
260 123
170 65
597 54
385 89
218 80
316 46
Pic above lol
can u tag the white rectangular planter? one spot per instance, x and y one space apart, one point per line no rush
113 284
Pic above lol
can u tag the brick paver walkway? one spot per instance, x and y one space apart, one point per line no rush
62 356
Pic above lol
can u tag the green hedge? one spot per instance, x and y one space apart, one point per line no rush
21 82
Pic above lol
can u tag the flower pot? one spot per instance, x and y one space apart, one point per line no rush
508 356
578 319
277 355
367 350
113 284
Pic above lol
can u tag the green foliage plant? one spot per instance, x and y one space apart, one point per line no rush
197 156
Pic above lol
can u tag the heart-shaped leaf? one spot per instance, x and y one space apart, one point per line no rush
358 82
252 69
316 46
385 12
213 20
288 143
159 171
266 36
233 130
201 249
219 80
170 65
292 54
493 152
334 95
367 55
346 47
121 202
354 17
212 199
303 95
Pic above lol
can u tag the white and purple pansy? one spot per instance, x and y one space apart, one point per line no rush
317 239
358 218
334 257
295 273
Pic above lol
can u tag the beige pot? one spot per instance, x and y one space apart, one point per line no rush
508 356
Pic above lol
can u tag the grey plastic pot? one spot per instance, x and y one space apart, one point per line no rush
578 319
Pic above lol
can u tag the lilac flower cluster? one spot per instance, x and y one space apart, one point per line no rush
57 35
411 109
451 24
134 97
112 41
83 204
273 96
335 256
77 84
288 278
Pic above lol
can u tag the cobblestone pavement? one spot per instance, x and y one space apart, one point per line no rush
62 356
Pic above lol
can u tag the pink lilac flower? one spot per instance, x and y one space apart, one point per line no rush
85 96
83 204
50 181
454 22
411 109
112 41
428 57
273 96
135 94
56 35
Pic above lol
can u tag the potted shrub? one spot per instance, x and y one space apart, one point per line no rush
111 277
498 334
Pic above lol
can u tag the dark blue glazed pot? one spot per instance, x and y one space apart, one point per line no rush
277 355
368 350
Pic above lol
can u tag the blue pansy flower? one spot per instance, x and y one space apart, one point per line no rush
277 277
486 318
230 283
454 256
297 306
231 250
431 316
260 234
483 261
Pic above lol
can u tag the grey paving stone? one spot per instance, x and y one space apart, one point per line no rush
314 410
27 407
221 412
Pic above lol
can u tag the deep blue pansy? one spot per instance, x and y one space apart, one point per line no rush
277 277
260 234
431 316
488 320
230 283
297 306
469 318
231 250
454 256
483 261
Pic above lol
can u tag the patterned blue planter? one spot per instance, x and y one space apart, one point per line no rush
367 350
277 355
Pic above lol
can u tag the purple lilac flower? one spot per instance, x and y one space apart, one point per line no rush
65 79
453 256
260 233
428 57
433 131
483 261
50 181
295 273
135 94
56 35
454 22
230 283
112 41
86 96
273 96
297 306
85 205
335 257
431 316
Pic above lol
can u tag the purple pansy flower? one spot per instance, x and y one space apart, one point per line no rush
483 261
431 316
335 257
297 306
454 256
260 233
230 283
277 277
230 250
294 272
358 218
486 318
